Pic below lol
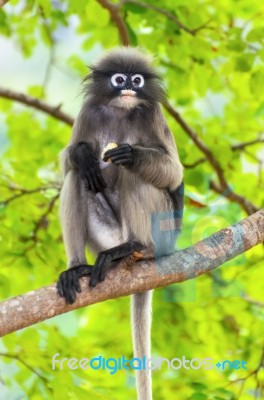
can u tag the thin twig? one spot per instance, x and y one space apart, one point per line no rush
3 2
114 10
19 359
241 146
195 163
162 11
36 103
253 301
24 192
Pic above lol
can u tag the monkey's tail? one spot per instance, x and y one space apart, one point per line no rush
141 334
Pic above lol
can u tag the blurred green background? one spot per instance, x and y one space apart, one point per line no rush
211 56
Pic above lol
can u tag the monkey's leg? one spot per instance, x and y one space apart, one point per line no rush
72 215
105 258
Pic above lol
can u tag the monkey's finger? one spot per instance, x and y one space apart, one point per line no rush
76 282
109 154
84 270
117 151
85 180
103 273
100 178
99 181
70 294
90 183
64 286
121 157
122 161
102 266
59 287
122 154
96 270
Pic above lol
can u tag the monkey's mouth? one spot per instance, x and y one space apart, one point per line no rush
128 93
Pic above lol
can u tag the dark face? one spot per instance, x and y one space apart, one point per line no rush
123 78
127 81
127 89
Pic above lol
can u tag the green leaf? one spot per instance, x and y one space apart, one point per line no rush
134 8
198 396
260 110
256 35
35 90
257 82
236 45
244 63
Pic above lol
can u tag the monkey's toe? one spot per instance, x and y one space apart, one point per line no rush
99 269
68 284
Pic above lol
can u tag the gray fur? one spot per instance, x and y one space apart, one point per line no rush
123 210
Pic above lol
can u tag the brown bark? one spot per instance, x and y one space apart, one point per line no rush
3 2
44 303
38 104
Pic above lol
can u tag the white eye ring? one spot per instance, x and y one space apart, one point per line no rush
114 80
141 83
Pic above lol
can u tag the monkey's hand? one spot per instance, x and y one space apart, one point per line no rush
87 164
90 173
68 284
120 155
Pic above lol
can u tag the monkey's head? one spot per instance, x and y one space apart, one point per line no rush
124 78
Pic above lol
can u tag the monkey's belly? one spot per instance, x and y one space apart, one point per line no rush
103 229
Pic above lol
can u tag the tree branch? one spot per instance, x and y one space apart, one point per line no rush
241 146
204 256
164 12
25 192
114 10
20 360
36 103
234 197
223 188
3 2
195 163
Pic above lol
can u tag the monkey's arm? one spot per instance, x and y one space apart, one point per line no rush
155 164
81 157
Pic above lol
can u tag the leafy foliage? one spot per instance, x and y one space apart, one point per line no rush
211 57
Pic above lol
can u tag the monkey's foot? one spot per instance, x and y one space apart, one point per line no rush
68 284
106 258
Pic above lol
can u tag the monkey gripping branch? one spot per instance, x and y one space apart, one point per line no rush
41 304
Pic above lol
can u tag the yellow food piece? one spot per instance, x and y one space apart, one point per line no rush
108 147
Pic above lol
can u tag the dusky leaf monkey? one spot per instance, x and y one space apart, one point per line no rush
110 192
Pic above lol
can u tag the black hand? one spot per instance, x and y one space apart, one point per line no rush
121 155
68 283
90 172
84 159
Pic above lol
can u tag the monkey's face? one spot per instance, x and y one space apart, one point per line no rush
126 90
124 78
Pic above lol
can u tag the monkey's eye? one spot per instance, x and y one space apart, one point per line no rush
118 80
138 80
